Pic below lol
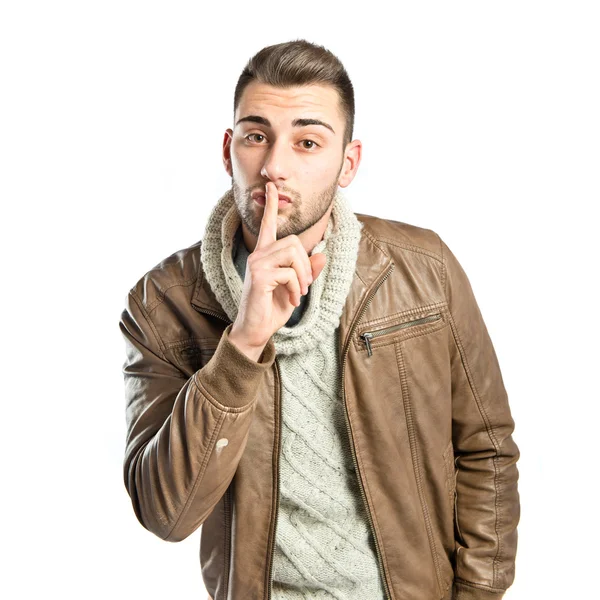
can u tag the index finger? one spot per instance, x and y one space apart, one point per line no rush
268 224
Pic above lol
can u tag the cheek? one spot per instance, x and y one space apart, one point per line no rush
246 159
320 173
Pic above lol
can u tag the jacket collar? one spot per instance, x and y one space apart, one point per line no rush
371 264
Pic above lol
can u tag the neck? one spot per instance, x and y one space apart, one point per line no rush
309 238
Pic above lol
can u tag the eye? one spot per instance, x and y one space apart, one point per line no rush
312 142
251 134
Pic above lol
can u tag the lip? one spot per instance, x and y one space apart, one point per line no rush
259 193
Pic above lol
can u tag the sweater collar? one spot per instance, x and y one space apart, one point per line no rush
328 292
372 264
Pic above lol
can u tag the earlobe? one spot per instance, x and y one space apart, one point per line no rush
348 171
227 160
227 164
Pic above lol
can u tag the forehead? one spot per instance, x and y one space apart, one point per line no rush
312 100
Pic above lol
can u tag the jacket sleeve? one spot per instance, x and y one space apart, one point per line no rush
185 436
487 498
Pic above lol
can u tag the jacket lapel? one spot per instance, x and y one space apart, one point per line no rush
371 265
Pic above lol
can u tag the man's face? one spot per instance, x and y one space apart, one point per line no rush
304 161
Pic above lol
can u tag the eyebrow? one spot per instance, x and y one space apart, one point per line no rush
295 122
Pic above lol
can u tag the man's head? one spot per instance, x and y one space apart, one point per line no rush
280 91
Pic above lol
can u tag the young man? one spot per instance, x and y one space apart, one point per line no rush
314 387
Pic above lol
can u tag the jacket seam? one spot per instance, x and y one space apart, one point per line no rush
162 267
416 464
201 340
374 241
163 292
485 418
375 519
357 274
443 271
480 586
226 545
411 248
153 328
490 431
201 471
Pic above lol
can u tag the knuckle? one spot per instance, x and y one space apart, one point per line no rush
295 240
254 256
254 273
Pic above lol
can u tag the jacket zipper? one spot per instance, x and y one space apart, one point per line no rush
364 497
369 335
227 542
272 540
214 314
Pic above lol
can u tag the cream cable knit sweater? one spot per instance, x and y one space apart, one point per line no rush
323 546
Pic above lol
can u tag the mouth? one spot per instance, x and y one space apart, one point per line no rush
260 199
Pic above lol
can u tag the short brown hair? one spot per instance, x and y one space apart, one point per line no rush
297 63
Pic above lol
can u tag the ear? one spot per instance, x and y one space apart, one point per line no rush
227 139
352 156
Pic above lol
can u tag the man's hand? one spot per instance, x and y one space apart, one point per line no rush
278 272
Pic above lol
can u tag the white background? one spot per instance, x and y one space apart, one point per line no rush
479 120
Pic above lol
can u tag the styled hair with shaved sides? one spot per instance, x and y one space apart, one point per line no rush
298 63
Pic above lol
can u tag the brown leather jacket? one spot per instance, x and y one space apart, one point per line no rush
427 415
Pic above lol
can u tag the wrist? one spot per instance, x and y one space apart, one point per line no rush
252 352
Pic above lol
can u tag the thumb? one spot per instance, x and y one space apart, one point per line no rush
317 262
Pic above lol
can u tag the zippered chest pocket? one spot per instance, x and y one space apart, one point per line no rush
417 326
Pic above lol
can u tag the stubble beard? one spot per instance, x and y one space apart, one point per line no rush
298 217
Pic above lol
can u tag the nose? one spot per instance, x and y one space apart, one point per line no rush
276 164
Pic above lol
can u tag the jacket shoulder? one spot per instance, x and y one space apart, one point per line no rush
179 269
396 236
